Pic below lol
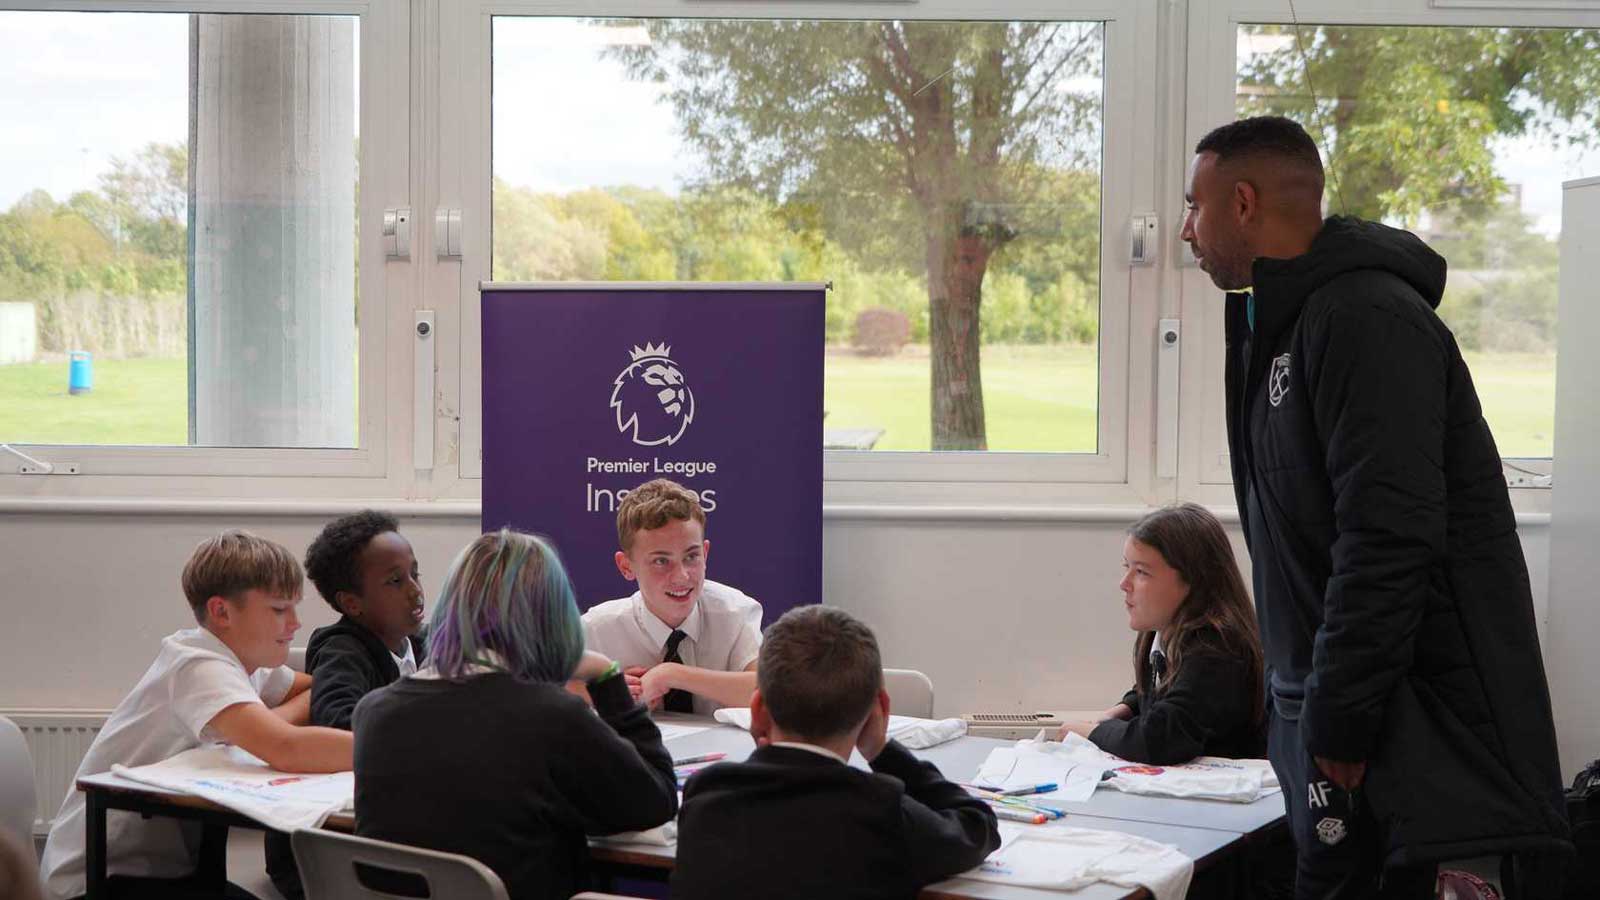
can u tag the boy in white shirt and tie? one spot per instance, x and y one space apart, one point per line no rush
686 644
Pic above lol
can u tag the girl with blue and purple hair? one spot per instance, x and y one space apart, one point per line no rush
485 752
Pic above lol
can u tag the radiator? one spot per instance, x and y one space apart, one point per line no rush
58 740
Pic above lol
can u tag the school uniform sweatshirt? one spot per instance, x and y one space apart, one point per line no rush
791 823
511 773
346 662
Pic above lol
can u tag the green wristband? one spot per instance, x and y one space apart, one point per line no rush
611 671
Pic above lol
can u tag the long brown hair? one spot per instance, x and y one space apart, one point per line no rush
1192 542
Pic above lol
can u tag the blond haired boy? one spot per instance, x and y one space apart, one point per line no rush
686 643
224 681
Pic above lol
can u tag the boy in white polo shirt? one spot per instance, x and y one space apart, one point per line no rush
224 681
687 644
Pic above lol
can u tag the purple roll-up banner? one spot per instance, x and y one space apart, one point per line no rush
590 390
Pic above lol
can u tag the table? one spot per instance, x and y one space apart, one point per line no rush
1206 831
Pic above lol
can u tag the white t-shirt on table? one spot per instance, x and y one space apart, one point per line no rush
193 678
723 633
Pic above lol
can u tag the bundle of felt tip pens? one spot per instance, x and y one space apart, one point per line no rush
1009 805
683 768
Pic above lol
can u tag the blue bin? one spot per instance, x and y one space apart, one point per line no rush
80 372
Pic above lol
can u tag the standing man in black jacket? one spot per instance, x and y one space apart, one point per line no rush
1410 719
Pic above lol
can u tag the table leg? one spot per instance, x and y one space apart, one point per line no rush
94 854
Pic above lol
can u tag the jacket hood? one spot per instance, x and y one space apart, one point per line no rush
346 625
1346 244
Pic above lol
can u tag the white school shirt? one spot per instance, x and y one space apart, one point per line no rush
723 633
406 664
194 677
811 748
1155 647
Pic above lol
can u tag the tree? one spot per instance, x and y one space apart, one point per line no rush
146 199
1407 114
920 142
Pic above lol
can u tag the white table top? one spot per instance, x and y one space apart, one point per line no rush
959 761
1170 821
1199 828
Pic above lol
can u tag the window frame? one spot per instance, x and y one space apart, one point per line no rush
1128 295
383 34
1210 88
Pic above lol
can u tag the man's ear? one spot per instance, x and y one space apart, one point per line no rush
760 719
625 566
1246 201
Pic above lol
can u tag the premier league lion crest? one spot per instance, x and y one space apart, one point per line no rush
652 402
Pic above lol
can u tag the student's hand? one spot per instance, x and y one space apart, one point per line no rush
633 675
656 681
591 666
874 732
1347 775
1120 711
1082 727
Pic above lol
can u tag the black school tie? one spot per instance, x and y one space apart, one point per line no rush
1158 666
677 700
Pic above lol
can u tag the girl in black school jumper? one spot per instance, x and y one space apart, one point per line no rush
486 753
1197 658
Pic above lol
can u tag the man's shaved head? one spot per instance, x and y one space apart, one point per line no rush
1273 152
1255 190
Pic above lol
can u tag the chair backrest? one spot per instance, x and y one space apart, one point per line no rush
336 866
18 798
910 693
297 659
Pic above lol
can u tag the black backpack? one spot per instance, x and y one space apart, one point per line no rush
1583 813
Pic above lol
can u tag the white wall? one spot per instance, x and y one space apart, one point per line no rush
1000 615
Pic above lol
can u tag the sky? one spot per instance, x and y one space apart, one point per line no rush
77 89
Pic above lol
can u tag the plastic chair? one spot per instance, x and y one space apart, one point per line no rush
297 659
18 796
591 895
910 693
336 866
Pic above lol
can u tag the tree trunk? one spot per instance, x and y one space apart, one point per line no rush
956 263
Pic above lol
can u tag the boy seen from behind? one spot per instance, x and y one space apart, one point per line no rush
223 681
768 821
686 643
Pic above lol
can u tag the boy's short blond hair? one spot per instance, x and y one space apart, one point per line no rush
652 505
237 561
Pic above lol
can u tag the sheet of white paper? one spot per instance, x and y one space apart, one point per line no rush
233 778
1021 766
914 733
670 730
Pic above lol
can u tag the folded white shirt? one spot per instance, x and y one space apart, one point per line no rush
664 835
230 777
1205 778
913 733
1066 859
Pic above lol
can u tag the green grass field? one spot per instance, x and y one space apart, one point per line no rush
1037 398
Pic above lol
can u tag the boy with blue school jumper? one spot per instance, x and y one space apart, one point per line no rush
686 643
224 681
368 573
795 820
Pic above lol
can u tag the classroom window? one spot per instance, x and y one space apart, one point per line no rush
178 228
1464 136
946 177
